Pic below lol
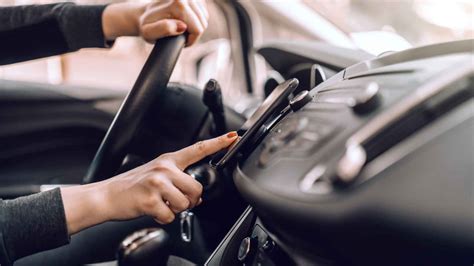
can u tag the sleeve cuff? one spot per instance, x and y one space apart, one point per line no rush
34 223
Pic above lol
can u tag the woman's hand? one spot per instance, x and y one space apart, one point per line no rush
159 189
156 20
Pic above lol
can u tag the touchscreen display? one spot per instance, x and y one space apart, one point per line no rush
258 118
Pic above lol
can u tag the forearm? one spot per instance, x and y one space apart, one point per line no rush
35 31
86 205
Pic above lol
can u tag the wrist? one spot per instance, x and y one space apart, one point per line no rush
85 206
110 193
103 200
122 19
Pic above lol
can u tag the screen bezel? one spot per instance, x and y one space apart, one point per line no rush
258 118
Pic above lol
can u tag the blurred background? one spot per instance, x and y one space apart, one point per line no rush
371 25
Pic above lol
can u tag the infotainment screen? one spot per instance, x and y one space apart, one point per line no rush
253 124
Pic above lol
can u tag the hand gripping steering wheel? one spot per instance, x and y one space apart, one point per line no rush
151 82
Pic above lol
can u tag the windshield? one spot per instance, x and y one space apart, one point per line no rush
418 22
374 26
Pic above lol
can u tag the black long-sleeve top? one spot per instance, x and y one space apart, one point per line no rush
36 223
35 31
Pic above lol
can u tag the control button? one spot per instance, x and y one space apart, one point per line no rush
300 100
268 245
368 100
350 164
247 249
313 176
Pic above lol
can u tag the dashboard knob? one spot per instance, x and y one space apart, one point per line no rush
367 100
300 100
248 248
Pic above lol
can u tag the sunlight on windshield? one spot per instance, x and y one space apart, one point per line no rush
455 15
420 22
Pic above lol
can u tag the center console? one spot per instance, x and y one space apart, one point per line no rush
373 169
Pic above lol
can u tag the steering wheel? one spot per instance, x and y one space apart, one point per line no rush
151 82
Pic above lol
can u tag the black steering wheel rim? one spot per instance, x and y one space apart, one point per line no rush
151 82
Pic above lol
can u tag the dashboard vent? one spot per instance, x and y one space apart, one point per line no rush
419 117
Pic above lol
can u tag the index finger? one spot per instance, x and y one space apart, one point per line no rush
201 149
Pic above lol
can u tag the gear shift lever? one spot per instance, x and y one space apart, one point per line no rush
147 247
212 98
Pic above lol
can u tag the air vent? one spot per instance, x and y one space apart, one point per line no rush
424 105
419 117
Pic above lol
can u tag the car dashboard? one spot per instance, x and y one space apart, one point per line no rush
377 168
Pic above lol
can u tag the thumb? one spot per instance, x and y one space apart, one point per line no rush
201 149
162 28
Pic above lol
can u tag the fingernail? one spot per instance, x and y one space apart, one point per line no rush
181 26
232 135
200 201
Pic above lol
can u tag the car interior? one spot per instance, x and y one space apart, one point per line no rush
347 158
